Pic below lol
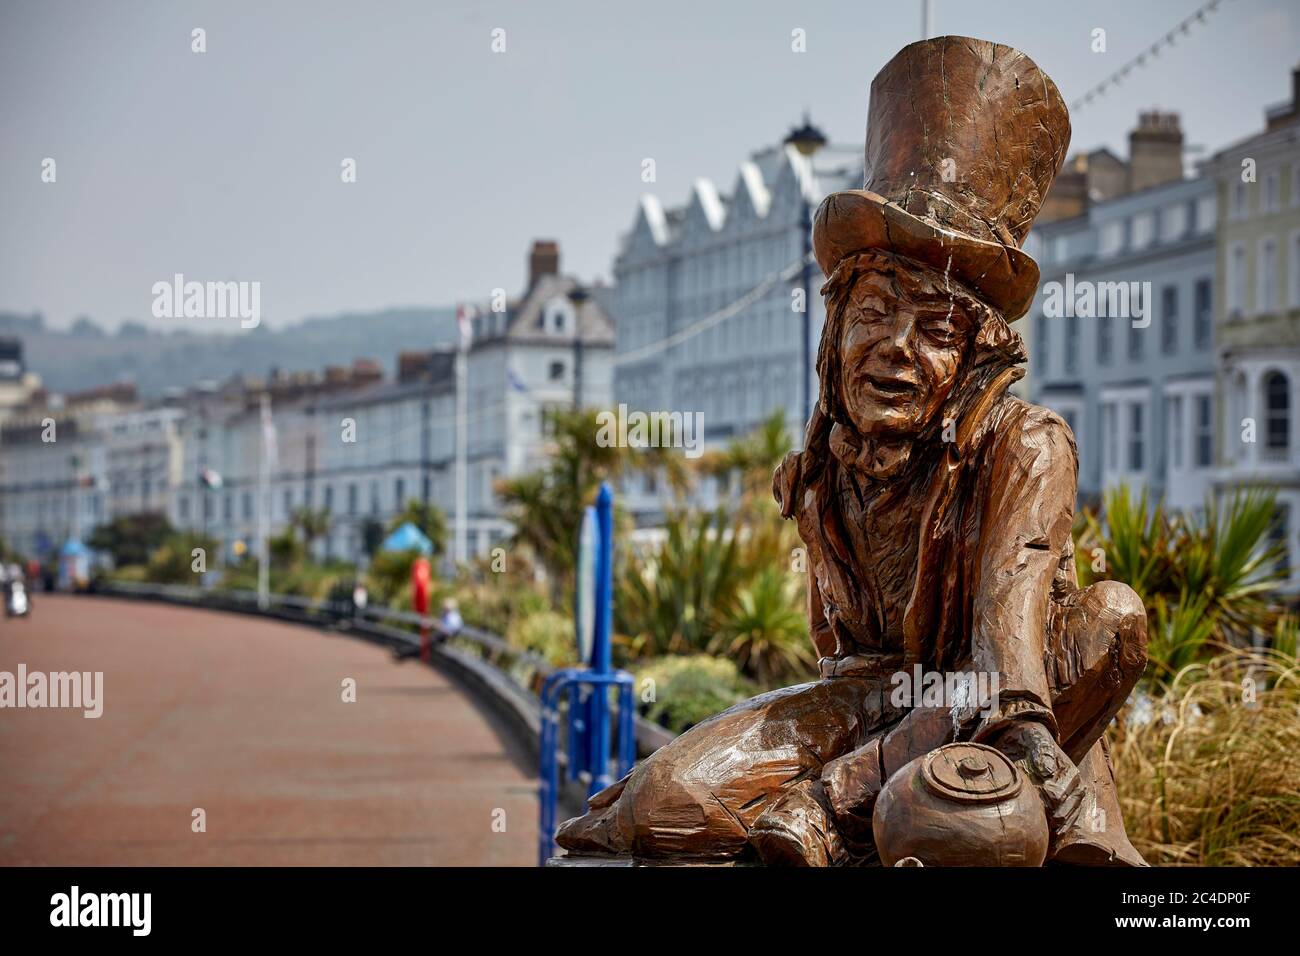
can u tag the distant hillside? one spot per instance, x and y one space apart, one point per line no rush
86 355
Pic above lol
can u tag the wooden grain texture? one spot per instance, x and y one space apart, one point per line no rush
936 509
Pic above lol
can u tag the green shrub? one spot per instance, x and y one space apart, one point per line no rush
132 573
173 561
690 688
547 634
390 576
499 602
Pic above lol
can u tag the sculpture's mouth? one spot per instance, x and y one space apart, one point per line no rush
891 386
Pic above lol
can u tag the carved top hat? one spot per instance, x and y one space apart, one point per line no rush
964 138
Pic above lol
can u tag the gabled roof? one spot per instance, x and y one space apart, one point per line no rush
751 192
593 324
777 175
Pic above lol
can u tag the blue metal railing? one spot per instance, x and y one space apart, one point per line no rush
584 752
588 722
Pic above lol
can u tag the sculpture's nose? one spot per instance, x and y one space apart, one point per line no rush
897 347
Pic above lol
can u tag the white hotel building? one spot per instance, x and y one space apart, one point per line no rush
362 447
680 265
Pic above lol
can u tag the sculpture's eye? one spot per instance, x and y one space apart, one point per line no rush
872 304
941 327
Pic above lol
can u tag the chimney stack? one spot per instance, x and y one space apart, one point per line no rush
1283 114
1155 150
543 260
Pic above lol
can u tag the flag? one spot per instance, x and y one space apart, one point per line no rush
209 477
516 382
466 330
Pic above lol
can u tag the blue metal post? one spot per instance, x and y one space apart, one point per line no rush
602 660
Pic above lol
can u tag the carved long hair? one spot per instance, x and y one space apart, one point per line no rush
993 351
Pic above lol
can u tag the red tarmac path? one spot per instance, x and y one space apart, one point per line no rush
244 718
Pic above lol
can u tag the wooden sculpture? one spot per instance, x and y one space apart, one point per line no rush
936 509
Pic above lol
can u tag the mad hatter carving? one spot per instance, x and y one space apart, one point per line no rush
936 508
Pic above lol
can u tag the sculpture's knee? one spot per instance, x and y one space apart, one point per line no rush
1123 631
1097 658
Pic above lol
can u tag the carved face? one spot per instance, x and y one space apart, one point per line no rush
900 351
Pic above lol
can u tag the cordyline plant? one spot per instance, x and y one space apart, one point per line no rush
722 582
1210 581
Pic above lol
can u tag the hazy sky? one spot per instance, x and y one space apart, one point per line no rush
226 164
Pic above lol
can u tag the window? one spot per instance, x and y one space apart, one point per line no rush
1144 228
557 317
1105 339
288 502
374 497
1040 333
1236 279
1203 317
1265 291
1272 191
1277 415
1204 431
1135 342
184 504
1207 213
352 498
1072 343
399 493
1240 200
247 505
1175 428
557 371
329 497
1169 319
228 507
1136 436
1173 222
1112 238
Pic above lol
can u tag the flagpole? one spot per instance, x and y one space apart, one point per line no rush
462 416
263 507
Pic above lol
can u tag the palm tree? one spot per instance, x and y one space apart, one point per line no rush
546 506
753 458
312 523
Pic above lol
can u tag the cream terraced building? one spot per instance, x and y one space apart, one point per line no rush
1258 311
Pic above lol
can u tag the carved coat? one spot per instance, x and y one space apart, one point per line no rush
994 552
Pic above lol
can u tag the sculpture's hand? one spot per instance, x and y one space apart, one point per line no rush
852 782
1031 747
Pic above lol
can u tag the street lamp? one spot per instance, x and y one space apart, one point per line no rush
807 139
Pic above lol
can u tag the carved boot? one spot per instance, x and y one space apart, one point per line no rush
798 830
